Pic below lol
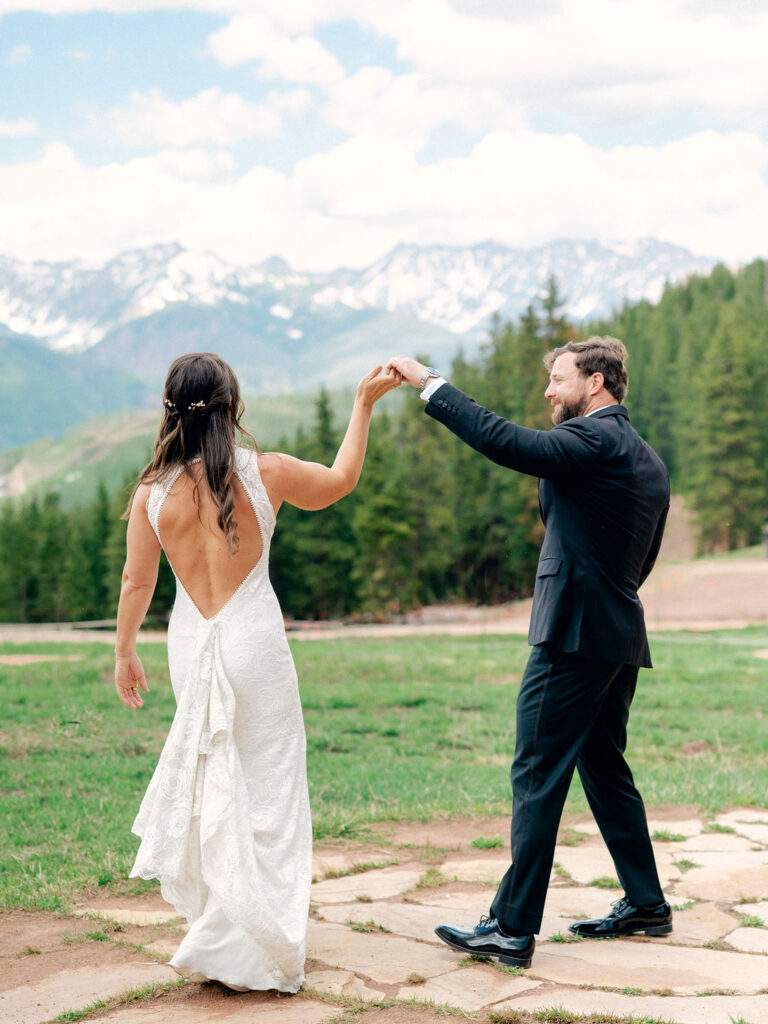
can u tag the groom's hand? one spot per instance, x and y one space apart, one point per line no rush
409 369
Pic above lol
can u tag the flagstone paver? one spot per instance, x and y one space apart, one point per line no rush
749 940
701 923
650 966
469 905
741 815
722 1009
755 909
585 863
709 883
756 833
325 863
387 959
376 885
161 947
732 860
477 869
342 983
294 1011
713 842
72 990
469 988
682 827
131 915
409 920
564 903
419 922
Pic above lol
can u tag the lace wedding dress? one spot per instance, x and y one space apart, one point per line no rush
225 823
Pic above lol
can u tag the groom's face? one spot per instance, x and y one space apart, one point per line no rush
568 389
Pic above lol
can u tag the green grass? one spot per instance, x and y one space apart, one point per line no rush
488 842
663 835
686 865
412 728
752 921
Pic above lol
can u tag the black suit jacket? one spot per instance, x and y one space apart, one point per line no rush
604 497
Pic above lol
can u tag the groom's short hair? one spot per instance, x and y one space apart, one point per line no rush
604 355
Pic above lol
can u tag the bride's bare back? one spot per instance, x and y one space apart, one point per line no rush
196 547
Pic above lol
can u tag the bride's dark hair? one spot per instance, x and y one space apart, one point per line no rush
202 409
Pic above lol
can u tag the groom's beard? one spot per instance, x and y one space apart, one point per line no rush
567 410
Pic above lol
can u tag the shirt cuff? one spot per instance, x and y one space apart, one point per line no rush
431 387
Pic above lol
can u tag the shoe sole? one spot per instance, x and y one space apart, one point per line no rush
657 929
501 957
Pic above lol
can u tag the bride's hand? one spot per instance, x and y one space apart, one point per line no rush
129 676
373 386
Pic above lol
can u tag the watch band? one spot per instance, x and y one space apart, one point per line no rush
429 372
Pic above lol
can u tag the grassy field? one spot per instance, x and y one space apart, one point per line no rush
396 728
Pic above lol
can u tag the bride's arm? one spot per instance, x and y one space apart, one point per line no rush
309 485
138 585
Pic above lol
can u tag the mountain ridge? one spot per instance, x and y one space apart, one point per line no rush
71 305
85 339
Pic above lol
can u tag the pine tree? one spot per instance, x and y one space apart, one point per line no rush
320 582
727 483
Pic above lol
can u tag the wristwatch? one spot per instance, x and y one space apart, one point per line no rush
429 372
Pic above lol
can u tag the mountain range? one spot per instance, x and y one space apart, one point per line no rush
79 340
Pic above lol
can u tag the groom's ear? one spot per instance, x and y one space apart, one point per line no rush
596 383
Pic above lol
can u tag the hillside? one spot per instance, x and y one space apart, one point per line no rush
107 448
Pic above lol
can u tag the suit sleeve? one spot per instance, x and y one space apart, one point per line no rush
565 451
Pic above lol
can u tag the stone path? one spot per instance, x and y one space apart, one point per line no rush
373 954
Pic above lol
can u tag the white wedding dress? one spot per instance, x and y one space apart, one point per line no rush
225 823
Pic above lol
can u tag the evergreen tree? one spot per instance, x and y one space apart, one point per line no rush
728 484
323 545
385 535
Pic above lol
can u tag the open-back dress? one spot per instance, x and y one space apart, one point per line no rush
225 823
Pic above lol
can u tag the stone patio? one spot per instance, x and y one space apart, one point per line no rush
371 945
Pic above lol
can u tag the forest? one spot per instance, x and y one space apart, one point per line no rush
431 520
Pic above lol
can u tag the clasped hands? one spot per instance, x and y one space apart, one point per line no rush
399 370
408 370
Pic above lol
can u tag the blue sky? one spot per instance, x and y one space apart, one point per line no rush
328 131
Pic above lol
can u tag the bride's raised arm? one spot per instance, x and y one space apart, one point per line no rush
309 485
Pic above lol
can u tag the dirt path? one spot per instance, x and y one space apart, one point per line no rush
702 594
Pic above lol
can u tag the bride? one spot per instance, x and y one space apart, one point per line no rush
225 822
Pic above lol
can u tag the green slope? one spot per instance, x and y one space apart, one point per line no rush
107 448
45 392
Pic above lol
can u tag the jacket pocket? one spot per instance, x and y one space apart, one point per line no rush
549 566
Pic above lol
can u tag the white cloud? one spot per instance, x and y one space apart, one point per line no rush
194 163
209 117
708 191
294 102
374 100
16 129
254 38
18 55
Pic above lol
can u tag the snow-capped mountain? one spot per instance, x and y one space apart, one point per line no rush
461 288
71 306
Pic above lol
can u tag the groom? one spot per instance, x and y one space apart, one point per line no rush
604 496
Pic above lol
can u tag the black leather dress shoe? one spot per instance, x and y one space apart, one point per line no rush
486 939
626 919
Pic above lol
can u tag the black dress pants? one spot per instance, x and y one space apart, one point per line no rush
572 712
